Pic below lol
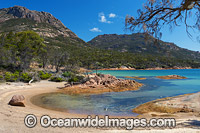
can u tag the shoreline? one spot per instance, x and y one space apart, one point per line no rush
186 103
156 68
12 117
78 89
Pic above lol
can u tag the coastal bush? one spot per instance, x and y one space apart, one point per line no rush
44 75
25 77
40 65
15 47
77 78
99 74
73 79
11 77
1 77
56 79
80 77
67 74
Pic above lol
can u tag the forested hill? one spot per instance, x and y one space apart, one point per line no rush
65 49
136 43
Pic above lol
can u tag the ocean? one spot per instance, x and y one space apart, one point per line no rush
122 103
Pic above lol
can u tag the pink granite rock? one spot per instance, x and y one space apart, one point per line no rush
17 100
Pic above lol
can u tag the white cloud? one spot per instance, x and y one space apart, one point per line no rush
112 15
103 18
95 29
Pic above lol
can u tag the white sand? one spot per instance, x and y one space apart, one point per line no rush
12 118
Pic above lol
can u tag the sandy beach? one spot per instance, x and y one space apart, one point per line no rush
12 117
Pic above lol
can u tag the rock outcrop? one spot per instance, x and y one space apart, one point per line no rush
175 67
178 104
17 100
171 77
155 68
40 17
121 68
19 12
108 81
103 83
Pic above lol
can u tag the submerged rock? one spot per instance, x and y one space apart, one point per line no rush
171 77
136 77
17 100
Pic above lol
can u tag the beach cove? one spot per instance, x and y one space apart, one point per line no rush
122 103
17 113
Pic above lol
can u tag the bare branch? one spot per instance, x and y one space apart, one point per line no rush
157 13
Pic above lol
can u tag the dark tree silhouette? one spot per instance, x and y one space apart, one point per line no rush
60 58
157 13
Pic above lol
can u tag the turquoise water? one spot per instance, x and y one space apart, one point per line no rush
122 103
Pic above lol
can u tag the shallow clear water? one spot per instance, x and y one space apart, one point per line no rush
122 103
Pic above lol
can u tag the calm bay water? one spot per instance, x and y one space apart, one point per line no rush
122 103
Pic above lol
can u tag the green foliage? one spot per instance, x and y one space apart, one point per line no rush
1 77
80 78
11 77
44 75
76 79
56 79
40 65
67 74
25 77
11 24
136 44
73 79
99 74
19 49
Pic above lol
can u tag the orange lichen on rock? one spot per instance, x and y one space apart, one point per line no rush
101 83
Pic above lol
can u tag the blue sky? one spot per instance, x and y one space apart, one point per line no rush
89 18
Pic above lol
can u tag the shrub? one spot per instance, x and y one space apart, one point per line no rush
56 79
40 65
99 74
67 74
1 77
44 75
73 79
25 77
80 78
11 77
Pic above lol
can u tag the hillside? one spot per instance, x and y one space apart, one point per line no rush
56 35
104 53
19 18
136 43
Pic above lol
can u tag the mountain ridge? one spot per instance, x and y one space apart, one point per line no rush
7 15
59 39
136 43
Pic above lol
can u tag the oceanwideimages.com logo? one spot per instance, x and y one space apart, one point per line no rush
129 123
